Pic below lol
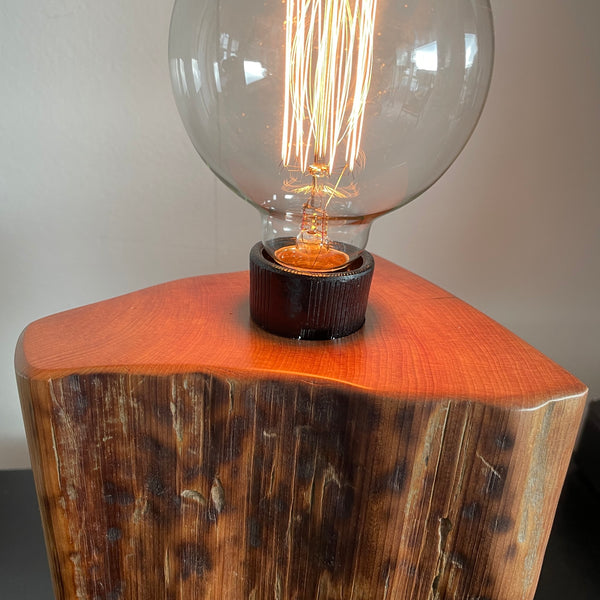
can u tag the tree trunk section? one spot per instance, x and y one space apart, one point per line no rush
420 458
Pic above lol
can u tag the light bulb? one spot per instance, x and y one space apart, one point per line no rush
326 114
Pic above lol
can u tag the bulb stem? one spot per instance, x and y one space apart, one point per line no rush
312 250
313 229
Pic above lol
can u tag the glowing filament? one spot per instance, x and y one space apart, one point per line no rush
328 64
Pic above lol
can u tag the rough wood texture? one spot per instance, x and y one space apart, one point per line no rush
181 453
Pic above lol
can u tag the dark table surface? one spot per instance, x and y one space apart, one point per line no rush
571 567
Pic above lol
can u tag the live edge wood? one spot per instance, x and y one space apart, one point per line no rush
181 453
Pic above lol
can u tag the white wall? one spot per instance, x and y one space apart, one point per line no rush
102 193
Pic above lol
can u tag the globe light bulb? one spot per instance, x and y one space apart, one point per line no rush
326 114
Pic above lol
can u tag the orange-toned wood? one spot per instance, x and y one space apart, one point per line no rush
181 452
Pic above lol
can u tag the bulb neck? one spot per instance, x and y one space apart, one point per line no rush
308 306
296 240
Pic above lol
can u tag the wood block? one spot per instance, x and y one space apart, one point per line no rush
180 452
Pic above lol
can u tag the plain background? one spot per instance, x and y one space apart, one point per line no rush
101 192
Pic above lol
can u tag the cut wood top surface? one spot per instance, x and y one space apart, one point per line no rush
418 342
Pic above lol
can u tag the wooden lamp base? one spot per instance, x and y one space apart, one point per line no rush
181 452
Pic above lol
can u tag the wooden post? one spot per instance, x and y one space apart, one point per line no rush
180 452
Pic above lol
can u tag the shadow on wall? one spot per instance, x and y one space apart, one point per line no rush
13 452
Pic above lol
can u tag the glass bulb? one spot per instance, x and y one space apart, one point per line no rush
326 114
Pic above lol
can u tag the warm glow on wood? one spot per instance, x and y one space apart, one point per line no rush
181 452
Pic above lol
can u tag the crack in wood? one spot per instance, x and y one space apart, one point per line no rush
444 528
194 495
217 495
489 466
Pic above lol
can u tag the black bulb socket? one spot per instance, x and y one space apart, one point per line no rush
308 305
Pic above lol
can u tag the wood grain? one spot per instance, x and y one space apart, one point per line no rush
180 452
